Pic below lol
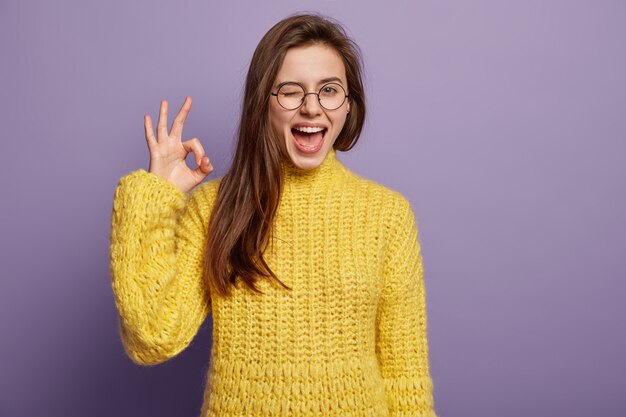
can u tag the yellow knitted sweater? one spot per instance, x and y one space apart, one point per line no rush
349 340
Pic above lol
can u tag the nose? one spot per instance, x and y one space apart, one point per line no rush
312 105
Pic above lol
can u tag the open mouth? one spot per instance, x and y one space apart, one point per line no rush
308 139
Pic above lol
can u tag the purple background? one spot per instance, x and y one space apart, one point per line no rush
503 122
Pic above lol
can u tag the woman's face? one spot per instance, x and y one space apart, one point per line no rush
311 66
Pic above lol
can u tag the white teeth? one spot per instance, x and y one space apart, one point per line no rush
309 129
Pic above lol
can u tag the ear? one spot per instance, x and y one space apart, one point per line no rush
348 106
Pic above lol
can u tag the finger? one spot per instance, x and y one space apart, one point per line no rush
194 145
204 169
162 123
179 121
147 124
205 163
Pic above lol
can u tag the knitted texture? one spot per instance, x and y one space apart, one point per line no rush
349 340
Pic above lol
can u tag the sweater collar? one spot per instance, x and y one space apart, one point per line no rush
326 171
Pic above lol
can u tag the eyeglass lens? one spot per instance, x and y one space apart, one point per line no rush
291 96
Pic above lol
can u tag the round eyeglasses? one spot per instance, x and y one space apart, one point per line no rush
291 96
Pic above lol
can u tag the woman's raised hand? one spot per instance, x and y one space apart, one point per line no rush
167 154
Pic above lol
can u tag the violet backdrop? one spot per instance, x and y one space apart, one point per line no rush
503 122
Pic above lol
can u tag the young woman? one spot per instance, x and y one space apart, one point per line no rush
312 274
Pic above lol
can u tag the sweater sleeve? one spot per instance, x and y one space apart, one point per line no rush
158 236
401 343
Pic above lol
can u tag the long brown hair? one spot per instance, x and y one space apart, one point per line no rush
248 195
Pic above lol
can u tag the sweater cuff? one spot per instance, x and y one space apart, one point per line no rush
410 396
141 186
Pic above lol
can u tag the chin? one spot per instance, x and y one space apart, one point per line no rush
307 161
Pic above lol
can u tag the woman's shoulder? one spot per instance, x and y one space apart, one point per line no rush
207 189
377 193
203 196
387 206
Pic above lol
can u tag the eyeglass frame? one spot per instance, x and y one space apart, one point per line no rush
281 85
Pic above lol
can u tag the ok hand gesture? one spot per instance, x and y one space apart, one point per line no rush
167 154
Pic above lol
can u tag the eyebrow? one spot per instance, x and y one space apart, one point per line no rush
323 81
330 79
